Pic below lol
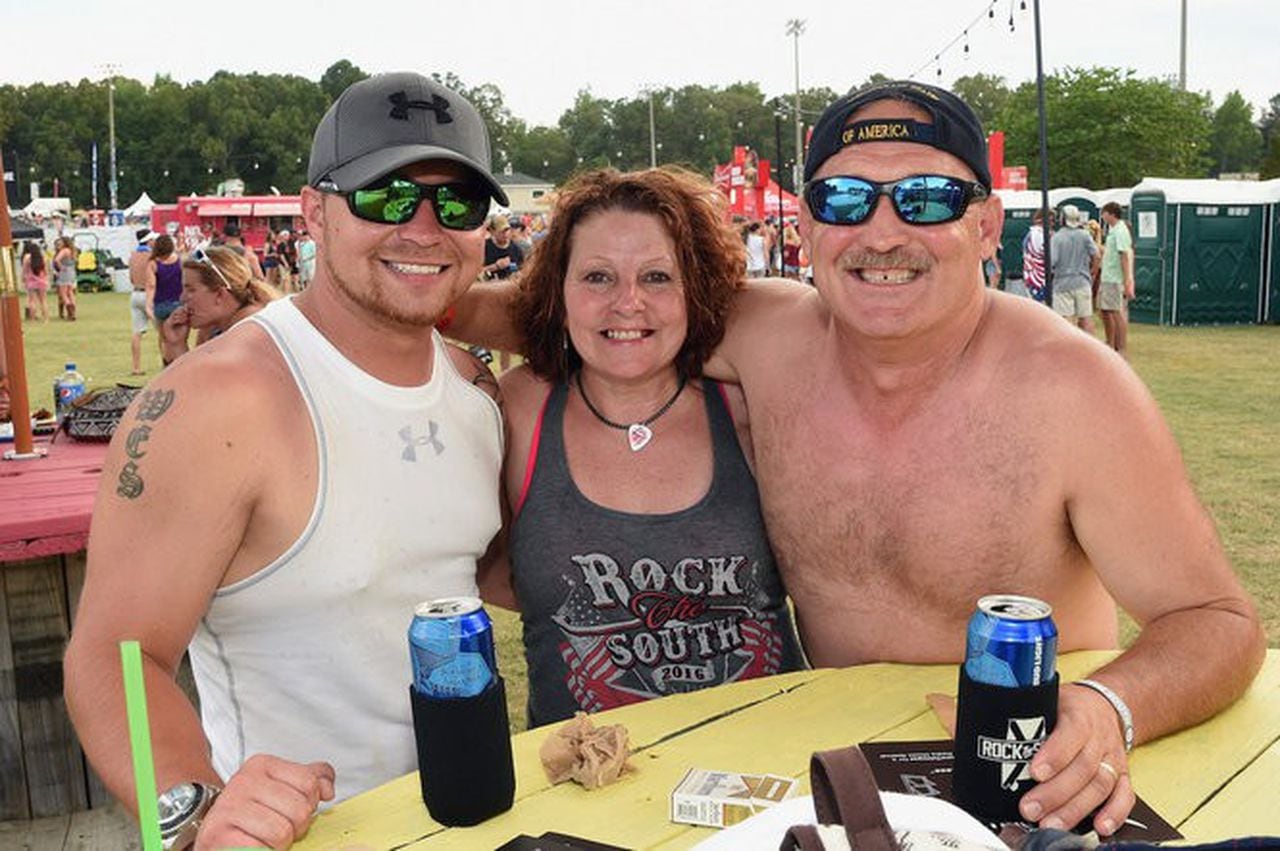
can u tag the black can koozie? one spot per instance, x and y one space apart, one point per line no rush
464 755
998 730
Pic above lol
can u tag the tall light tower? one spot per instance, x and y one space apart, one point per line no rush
1182 53
795 27
653 147
111 130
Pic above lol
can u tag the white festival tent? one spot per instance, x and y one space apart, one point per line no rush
140 208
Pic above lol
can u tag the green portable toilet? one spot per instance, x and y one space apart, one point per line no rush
1150 218
1271 312
1019 207
1201 246
1084 200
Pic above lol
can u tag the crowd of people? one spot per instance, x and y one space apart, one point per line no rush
685 434
1092 270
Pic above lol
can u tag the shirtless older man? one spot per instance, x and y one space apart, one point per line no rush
876 403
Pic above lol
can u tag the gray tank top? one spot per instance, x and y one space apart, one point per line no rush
620 607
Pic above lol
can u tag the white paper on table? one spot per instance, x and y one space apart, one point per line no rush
905 812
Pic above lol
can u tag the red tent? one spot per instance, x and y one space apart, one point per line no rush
751 190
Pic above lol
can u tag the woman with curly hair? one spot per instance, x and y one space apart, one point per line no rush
637 549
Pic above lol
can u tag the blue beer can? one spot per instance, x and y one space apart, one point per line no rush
1012 642
451 648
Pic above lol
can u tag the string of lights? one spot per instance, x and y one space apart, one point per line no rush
988 12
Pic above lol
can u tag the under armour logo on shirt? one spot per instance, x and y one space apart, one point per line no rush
400 106
411 443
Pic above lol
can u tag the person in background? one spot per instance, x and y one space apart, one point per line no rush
791 244
1095 233
306 259
218 290
502 257
1033 256
142 299
621 459
757 251
520 237
1075 258
164 284
287 255
538 229
1116 286
35 280
232 239
991 269
271 261
64 268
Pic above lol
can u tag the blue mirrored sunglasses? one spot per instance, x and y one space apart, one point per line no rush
921 199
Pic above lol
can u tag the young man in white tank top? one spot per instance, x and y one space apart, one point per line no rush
281 497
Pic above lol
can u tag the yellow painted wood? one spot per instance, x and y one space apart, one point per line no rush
774 725
394 814
1248 806
1178 773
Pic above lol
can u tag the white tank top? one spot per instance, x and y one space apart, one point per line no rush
308 659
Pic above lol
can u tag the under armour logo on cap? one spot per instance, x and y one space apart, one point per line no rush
400 106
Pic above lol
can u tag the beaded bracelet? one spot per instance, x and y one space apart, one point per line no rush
1118 704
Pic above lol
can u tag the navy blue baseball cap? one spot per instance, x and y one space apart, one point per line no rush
952 127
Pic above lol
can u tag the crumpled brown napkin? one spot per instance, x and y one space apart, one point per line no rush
579 751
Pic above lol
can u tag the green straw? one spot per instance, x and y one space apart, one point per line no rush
144 769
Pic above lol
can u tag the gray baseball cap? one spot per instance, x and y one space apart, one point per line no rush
389 121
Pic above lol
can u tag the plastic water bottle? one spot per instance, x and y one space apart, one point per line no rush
68 388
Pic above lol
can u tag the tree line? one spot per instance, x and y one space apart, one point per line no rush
1107 127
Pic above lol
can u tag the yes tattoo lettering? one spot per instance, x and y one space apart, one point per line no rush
152 405
130 484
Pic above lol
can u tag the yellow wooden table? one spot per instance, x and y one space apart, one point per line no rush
1215 781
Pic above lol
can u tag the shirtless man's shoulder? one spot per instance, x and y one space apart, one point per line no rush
773 324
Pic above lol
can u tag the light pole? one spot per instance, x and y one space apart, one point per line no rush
111 130
795 27
1182 53
653 147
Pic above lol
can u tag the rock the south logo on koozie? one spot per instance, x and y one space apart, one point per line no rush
640 630
1023 738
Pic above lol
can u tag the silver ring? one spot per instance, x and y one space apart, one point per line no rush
1103 765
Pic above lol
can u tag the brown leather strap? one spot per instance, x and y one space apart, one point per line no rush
802 837
844 792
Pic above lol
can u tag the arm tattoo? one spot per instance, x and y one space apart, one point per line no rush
152 405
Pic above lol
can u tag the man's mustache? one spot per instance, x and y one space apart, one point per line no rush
898 258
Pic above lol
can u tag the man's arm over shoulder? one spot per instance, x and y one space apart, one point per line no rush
764 315
482 316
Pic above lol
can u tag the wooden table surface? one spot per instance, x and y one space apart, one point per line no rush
46 504
45 508
1215 781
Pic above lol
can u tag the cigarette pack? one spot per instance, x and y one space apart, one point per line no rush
722 798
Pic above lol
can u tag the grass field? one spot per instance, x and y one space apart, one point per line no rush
1219 388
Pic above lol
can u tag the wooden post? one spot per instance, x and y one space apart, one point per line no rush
11 316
